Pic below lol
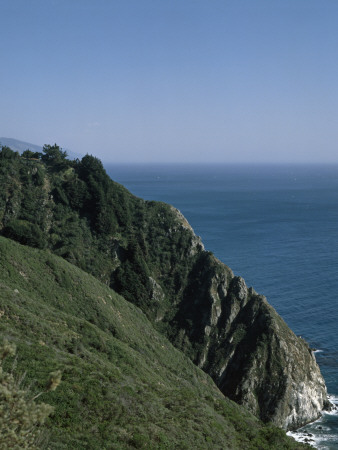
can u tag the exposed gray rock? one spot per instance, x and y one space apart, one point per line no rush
252 355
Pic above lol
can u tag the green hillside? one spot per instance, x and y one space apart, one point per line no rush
123 384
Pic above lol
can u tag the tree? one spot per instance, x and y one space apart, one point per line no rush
53 154
7 153
29 154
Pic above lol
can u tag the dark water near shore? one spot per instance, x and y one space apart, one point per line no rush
277 226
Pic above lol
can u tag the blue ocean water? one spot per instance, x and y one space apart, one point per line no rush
277 226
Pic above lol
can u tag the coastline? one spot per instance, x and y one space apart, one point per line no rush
282 209
319 433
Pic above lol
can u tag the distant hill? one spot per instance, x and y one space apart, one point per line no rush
21 146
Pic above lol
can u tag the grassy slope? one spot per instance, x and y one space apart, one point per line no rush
124 385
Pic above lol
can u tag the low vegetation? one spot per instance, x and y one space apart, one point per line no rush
123 384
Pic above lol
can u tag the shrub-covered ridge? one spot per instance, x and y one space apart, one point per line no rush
148 253
123 384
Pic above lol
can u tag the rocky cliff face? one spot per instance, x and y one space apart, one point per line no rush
246 347
148 252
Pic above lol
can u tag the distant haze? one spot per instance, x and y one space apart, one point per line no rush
19 146
173 81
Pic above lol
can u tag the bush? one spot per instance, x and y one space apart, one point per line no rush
21 419
25 232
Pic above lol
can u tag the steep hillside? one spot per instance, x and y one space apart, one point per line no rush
148 253
123 384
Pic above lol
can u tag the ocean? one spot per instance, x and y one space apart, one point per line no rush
277 227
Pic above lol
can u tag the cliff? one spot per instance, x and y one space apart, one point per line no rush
147 252
249 351
123 384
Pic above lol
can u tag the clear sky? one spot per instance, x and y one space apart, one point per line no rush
173 80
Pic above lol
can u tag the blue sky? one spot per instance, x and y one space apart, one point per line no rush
173 80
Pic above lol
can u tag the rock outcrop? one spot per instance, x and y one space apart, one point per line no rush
252 355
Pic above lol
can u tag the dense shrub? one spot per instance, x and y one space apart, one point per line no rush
25 232
7 153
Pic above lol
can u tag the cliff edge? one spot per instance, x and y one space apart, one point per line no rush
148 252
